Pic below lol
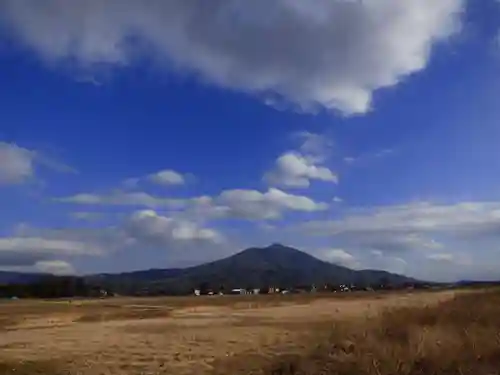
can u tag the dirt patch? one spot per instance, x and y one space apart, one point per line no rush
124 313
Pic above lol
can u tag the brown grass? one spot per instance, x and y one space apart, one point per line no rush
29 368
460 336
379 334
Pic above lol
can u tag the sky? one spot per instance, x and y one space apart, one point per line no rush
138 135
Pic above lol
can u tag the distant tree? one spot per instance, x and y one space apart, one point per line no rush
204 287
384 283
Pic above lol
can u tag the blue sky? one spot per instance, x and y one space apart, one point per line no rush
363 133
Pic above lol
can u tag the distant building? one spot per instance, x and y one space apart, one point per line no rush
256 291
197 292
239 291
344 288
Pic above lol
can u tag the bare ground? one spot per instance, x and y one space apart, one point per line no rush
172 335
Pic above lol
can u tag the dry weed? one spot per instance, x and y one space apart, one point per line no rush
459 337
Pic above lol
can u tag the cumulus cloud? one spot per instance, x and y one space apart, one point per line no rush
295 170
45 246
55 267
340 257
240 203
16 164
144 229
167 177
252 204
147 225
329 53
317 147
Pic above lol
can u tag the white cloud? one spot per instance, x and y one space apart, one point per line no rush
53 164
418 230
46 245
147 225
123 199
143 230
441 257
461 218
55 267
317 147
295 170
16 164
332 53
252 204
364 158
241 203
167 177
396 242
349 159
337 200
34 246
339 256
457 259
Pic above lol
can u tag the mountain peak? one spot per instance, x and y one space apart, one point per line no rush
277 245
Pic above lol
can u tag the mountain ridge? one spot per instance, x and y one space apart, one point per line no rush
255 267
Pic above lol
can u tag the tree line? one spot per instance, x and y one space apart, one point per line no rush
50 287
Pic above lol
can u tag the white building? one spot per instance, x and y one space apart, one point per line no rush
239 291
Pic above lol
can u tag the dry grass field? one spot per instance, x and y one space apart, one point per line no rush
392 333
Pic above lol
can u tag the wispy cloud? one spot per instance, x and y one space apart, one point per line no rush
19 165
364 158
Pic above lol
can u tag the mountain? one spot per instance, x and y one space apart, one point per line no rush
7 277
275 265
